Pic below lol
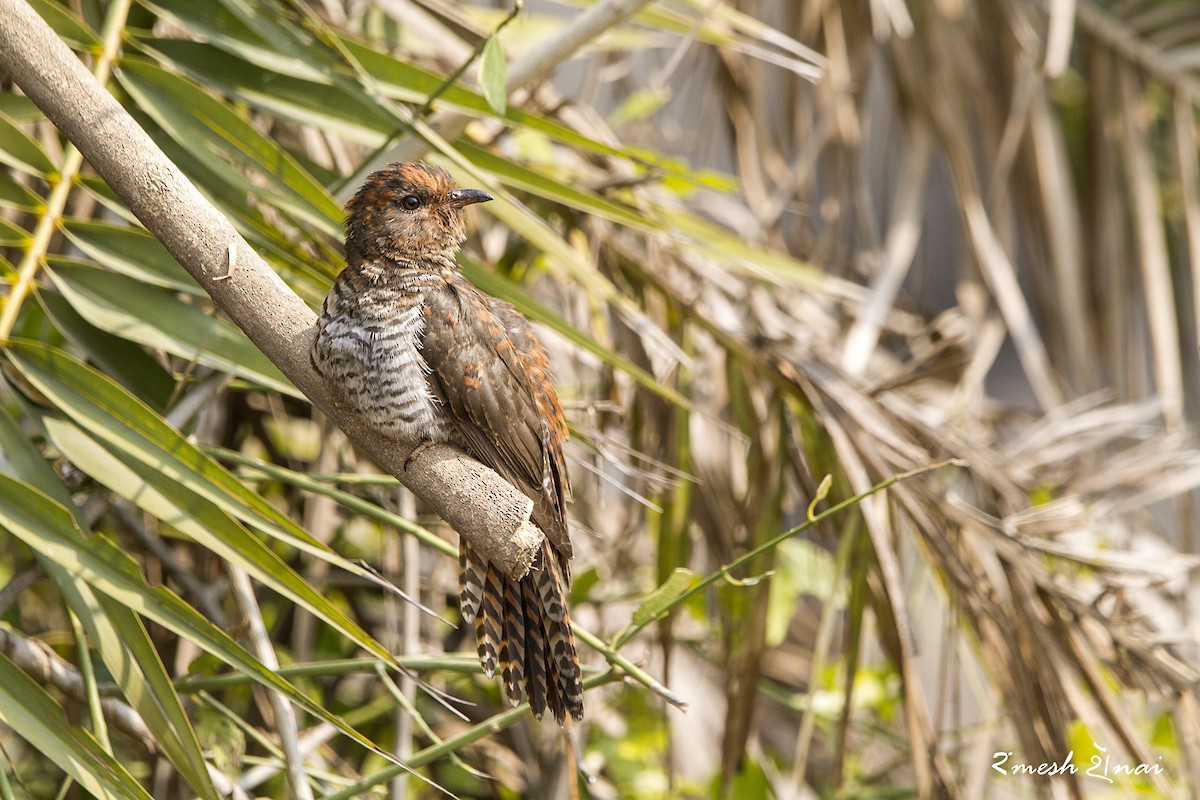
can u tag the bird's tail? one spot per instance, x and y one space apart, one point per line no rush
523 628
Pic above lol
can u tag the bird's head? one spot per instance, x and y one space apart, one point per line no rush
408 212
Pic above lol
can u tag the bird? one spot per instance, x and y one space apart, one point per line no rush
427 357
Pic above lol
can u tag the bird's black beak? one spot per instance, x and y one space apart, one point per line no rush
465 197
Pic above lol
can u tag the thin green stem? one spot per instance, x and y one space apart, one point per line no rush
427 106
325 669
828 623
415 715
628 667
251 732
88 674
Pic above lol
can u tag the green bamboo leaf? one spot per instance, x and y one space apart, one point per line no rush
238 68
97 188
15 195
539 233
19 108
117 633
802 567
519 176
130 251
72 29
493 75
47 526
127 426
712 240
19 151
156 318
309 102
290 251
408 83
115 417
273 28
11 235
203 522
123 360
129 654
639 105
30 711
214 23
664 598
218 137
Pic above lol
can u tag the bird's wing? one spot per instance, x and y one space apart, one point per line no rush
493 376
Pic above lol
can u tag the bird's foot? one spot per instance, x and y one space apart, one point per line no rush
417 451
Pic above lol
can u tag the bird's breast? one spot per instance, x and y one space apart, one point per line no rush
370 345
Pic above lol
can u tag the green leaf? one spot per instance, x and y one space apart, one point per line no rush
97 188
115 417
127 426
714 241
663 598
218 137
69 27
11 235
558 189
493 75
156 318
15 195
19 108
202 521
215 23
125 361
273 28
801 567
46 526
19 151
117 633
295 253
130 251
307 102
30 711
241 69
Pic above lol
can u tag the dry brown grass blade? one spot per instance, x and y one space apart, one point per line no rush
1152 258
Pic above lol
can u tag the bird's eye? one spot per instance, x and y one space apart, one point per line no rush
410 202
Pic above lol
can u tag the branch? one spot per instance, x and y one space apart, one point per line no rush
474 500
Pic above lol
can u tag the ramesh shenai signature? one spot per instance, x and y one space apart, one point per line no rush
1100 766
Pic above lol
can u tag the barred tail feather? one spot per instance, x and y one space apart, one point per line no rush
489 620
512 646
562 658
524 629
472 572
535 651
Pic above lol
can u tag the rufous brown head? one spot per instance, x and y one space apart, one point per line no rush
408 212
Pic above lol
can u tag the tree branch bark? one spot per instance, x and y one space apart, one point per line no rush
473 499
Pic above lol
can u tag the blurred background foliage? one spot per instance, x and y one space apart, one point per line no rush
766 243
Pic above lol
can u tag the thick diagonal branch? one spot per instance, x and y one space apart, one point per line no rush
473 499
